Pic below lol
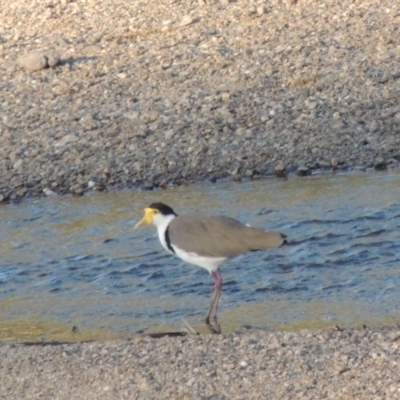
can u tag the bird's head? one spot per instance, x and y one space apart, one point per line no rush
156 213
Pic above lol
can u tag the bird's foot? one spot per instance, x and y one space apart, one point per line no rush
214 327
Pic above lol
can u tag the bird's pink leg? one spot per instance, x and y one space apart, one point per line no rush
216 275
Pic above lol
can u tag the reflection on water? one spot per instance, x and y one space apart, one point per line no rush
79 262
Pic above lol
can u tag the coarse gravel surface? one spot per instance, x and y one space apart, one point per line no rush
330 364
99 94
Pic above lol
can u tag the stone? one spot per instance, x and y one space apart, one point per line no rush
36 61
78 192
18 164
66 139
33 61
49 192
186 20
236 178
169 134
380 164
261 10
303 171
52 59
148 186
280 170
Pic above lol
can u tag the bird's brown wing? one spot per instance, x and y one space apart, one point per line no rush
219 236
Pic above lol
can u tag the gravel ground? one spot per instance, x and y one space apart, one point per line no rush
99 94
331 364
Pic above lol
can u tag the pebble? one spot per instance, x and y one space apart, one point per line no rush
36 61
261 10
380 165
303 171
280 170
49 192
66 139
186 20
147 186
78 192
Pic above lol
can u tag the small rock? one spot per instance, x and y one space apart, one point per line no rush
261 10
334 162
225 97
394 336
163 185
33 61
36 61
303 171
322 164
236 178
186 20
268 69
132 115
21 192
380 165
148 186
52 60
166 63
78 192
49 192
169 133
66 139
280 170
18 164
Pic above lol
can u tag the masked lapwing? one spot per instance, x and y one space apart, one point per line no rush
207 241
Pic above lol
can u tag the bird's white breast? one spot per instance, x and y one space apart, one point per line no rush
209 263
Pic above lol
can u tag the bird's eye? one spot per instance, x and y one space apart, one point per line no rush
156 212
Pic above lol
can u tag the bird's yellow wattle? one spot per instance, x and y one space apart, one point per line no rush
148 217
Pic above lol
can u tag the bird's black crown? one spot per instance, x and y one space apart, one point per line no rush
163 208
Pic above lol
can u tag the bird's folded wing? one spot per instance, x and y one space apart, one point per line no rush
217 236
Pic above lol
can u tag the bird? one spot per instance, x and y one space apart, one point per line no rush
207 241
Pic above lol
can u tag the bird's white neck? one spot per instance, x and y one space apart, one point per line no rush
162 222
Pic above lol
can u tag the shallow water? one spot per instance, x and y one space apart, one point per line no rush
78 262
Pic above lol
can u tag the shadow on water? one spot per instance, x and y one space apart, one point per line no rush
75 269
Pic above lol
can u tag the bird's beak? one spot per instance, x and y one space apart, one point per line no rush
147 219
